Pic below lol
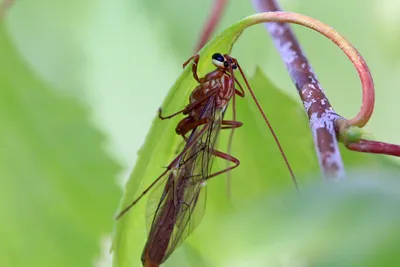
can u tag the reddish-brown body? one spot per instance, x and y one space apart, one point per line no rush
216 80
163 226
217 83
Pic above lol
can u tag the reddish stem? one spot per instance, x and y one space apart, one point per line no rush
212 22
375 147
4 5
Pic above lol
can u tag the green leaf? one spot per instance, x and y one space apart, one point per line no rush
157 151
57 191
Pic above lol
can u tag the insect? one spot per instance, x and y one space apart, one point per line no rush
185 176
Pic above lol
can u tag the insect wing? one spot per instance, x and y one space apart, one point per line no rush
198 164
182 201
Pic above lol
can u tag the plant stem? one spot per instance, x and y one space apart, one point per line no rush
375 147
320 112
4 5
212 22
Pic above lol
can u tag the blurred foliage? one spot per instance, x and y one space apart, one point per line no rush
344 224
57 184
70 70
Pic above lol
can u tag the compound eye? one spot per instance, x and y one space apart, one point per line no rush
218 60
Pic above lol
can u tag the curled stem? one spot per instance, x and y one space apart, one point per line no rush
315 101
368 93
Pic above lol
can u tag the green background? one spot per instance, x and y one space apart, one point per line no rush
80 84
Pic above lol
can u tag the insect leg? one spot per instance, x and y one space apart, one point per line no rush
186 125
169 116
241 91
196 59
169 167
231 124
227 157
199 101
189 107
